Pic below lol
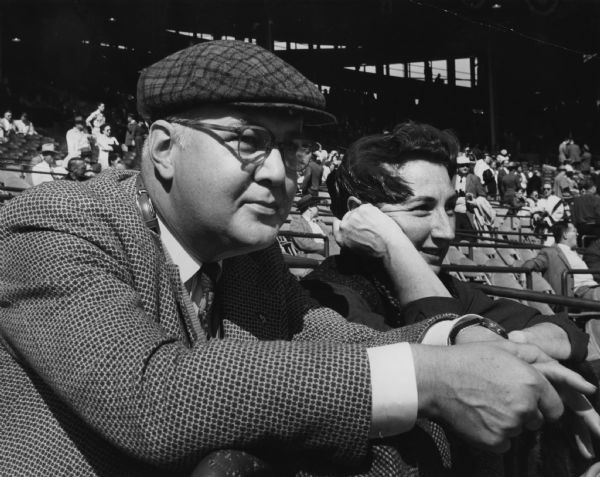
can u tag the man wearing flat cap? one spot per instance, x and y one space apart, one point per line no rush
155 323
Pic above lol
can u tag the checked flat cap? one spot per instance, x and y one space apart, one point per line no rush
227 72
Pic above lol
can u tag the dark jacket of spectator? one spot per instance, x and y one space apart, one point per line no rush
350 286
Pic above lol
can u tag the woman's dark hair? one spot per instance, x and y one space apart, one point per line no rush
369 169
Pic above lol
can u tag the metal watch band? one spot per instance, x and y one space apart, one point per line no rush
475 320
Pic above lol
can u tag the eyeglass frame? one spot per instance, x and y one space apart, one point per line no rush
238 130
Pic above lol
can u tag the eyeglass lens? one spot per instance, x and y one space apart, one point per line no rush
256 143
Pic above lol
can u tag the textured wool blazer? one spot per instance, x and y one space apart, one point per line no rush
102 373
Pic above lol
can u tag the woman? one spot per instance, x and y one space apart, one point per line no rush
106 143
396 202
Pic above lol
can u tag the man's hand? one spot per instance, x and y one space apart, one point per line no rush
489 394
550 338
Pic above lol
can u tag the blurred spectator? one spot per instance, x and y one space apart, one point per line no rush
517 202
42 168
490 179
76 169
586 211
574 154
510 183
482 164
132 125
468 187
312 177
533 199
563 152
534 181
106 143
553 261
139 136
591 257
586 159
115 161
96 120
24 126
550 209
523 179
502 171
7 123
77 138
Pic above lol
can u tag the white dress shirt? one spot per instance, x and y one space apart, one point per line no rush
577 263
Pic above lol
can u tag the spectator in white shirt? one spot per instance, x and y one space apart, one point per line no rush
77 138
40 173
107 143
7 123
24 126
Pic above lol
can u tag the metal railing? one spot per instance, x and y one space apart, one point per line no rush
492 269
541 297
291 233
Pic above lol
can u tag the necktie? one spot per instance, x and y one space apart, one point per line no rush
208 319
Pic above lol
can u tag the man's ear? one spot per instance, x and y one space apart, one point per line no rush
352 203
161 148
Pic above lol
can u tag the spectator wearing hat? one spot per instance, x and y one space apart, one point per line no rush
24 126
468 187
77 138
503 156
156 323
41 172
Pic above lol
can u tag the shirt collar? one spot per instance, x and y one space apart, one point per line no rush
188 265
565 248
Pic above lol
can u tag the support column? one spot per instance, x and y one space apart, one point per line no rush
491 93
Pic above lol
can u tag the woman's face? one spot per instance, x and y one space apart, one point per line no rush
427 217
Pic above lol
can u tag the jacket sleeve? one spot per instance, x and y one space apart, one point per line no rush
508 313
538 263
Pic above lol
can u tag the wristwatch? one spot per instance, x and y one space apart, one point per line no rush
475 320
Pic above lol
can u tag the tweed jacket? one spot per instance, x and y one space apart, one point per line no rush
552 263
103 373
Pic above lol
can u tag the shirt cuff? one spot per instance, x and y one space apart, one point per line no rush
438 333
394 390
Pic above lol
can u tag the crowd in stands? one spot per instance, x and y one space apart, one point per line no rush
159 340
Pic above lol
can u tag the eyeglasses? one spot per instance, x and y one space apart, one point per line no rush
253 144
